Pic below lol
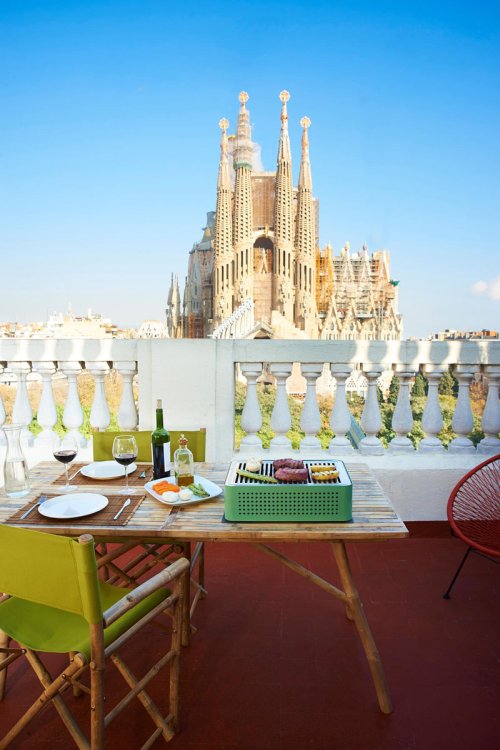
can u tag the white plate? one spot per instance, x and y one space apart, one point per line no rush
212 489
102 470
73 505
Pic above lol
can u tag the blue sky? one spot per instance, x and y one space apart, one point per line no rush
109 143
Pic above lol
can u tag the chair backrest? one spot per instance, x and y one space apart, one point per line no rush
474 507
102 444
196 442
52 570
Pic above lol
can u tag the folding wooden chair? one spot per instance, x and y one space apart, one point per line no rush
148 555
54 602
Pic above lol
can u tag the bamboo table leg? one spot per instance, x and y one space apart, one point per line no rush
355 608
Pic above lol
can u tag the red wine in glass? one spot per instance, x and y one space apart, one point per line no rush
64 450
125 452
125 459
65 456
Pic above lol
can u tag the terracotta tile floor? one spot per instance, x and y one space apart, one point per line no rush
275 665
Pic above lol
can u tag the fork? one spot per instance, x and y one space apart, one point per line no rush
125 505
40 500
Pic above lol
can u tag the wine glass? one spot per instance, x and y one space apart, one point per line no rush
64 449
125 452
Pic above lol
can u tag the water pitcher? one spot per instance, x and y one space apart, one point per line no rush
15 468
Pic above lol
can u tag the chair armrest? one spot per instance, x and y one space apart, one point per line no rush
132 598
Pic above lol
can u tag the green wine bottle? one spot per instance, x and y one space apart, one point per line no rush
160 442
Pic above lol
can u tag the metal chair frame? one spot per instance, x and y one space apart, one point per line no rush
473 506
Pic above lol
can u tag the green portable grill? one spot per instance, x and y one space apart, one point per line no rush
250 500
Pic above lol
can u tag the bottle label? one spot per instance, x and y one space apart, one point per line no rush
161 460
166 456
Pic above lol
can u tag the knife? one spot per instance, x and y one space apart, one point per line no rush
74 475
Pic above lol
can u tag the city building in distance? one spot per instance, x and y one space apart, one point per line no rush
258 270
453 335
89 326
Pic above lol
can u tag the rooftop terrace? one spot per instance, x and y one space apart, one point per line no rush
263 673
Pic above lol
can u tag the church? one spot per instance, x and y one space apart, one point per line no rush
259 271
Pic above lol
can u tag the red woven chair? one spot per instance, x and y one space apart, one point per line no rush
474 512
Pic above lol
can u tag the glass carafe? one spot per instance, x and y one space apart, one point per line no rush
15 467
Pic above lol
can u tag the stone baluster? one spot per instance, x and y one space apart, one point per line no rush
251 417
432 419
73 412
2 415
99 412
281 420
22 413
402 419
340 418
310 420
127 413
371 419
490 444
463 421
47 412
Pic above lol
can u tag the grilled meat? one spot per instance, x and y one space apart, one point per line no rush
287 463
288 474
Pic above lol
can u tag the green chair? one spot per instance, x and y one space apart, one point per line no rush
152 554
102 445
197 440
54 602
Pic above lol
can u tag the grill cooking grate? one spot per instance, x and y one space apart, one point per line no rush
267 470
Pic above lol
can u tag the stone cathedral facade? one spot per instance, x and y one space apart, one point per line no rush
259 271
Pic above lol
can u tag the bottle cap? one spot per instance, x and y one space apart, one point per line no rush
183 441
158 403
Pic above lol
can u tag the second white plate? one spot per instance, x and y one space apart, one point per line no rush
212 489
73 505
103 470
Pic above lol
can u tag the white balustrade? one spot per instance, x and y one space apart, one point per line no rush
3 415
310 420
251 417
463 420
281 421
47 412
490 444
208 399
73 412
340 418
127 413
402 419
371 419
22 413
432 419
99 412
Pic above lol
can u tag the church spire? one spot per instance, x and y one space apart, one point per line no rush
223 236
243 209
305 241
283 290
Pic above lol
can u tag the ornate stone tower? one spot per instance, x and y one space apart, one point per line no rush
243 210
305 244
223 240
284 256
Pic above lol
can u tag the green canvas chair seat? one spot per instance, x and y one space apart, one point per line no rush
54 602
